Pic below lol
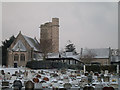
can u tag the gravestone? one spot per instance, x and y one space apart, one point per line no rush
89 78
99 78
35 80
106 79
38 86
88 88
119 83
5 84
67 85
86 73
29 85
26 75
8 76
98 87
17 84
108 88
46 79
2 72
106 72
91 73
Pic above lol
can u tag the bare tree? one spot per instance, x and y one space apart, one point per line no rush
88 56
45 47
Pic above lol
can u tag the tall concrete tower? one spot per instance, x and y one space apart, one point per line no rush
50 32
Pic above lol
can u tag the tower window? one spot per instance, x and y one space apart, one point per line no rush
22 57
16 57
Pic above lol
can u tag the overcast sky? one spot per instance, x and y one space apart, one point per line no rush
87 25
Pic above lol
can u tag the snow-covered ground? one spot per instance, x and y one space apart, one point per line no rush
57 78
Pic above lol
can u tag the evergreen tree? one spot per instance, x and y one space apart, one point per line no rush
70 47
6 44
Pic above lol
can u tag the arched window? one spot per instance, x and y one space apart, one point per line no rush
16 57
22 57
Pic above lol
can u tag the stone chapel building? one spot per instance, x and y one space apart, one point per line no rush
24 48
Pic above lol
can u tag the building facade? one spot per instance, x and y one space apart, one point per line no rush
50 32
22 50
99 55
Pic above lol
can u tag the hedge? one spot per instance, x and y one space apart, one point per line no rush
98 68
45 65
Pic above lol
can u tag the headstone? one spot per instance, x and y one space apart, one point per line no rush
38 86
88 88
7 76
102 75
89 78
118 69
35 80
106 79
106 72
67 85
29 85
98 87
38 76
96 74
46 78
84 68
13 77
25 75
65 80
84 81
17 84
2 72
86 73
91 73
119 84
5 84
99 78
108 88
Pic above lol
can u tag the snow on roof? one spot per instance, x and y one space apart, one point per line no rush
19 46
33 43
70 55
115 58
64 55
53 55
98 53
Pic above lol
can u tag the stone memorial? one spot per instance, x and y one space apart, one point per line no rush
99 79
98 87
17 84
88 88
89 78
106 79
5 84
67 85
29 85
108 88
38 86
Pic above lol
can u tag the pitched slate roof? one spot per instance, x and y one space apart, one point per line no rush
33 43
98 53
64 55
115 58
